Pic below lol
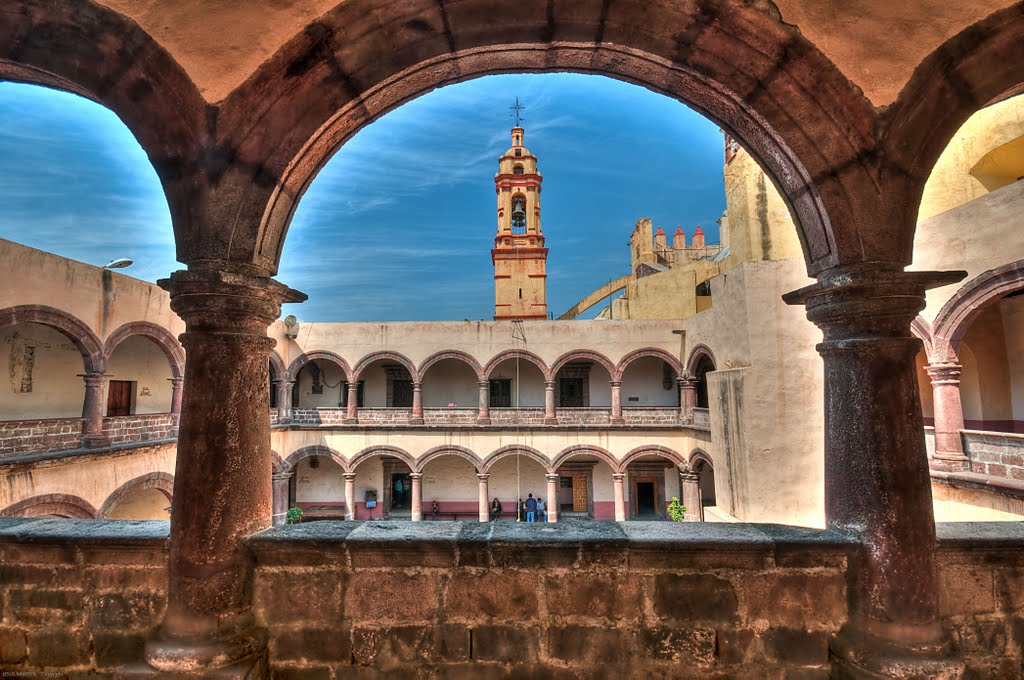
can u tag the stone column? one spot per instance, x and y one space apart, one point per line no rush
620 497
284 400
350 495
877 484
949 416
484 417
281 482
617 402
417 403
483 500
417 497
222 490
550 417
176 390
687 398
352 410
689 495
552 498
92 410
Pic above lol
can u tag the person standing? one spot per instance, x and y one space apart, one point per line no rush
542 510
495 509
531 508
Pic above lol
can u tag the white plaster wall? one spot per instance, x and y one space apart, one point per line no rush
375 385
970 505
527 381
145 504
369 475
604 487
450 381
986 339
600 386
325 484
643 381
139 359
672 484
450 478
57 389
1013 328
503 481
331 377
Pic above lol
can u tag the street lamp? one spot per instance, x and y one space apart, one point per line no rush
119 263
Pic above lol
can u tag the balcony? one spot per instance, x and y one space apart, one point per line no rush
598 416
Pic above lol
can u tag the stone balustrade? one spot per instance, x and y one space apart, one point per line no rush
998 454
660 416
660 599
65 434
701 419
140 428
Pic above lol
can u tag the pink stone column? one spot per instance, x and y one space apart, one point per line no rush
284 400
550 417
417 497
176 391
949 416
687 398
484 416
352 410
617 402
222 479
620 497
417 403
350 495
877 483
483 500
689 492
281 482
552 499
92 410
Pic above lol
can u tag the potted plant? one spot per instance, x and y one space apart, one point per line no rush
676 510
294 515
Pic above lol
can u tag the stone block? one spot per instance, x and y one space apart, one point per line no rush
306 673
616 596
979 636
113 649
494 594
282 596
383 596
588 645
13 647
797 645
737 646
310 644
796 599
966 589
58 648
389 649
125 610
679 645
44 605
506 643
694 597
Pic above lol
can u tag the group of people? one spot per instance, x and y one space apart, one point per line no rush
530 510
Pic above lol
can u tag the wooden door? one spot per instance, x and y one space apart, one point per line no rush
501 393
119 398
579 494
401 393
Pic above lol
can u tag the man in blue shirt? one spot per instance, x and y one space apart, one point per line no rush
531 508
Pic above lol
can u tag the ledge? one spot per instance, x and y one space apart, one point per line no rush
57 456
445 427
84 532
975 480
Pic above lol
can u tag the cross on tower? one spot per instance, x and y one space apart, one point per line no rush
516 111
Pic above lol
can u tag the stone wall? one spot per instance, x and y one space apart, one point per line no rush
458 597
30 436
598 415
128 429
995 453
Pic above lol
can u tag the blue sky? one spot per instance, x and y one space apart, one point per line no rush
399 224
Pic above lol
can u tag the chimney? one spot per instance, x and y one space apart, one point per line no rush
698 237
659 240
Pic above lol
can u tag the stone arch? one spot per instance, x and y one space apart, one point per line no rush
960 311
316 450
385 356
699 457
277 368
522 354
585 450
667 357
516 449
923 331
162 481
583 355
107 57
72 328
451 354
737 62
277 462
698 351
652 450
449 450
383 450
320 355
163 339
60 504
978 66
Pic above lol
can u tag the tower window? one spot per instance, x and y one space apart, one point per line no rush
517 170
519 152
520 293
519 214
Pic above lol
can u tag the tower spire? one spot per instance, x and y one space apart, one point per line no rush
517 110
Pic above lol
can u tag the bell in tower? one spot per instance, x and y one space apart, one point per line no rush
519 255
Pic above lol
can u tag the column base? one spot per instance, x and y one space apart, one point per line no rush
483 421
856 655
241 652
551 421
350 421
415 421
949 462
618 421
256 668
95 441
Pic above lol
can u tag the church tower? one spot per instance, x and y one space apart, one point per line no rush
519 255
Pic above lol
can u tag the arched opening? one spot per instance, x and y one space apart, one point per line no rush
582 380
387 383
515 384
320 384
43 373
146 503
318 488
139 378
651 483
450 383
703 365
274 377
992 378
513 478
53 505
450 488
585 486
649 381
706 470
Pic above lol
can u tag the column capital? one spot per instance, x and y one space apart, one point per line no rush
176 380
688 475
417 384
209 300
686 381
618 476
348 475
944 373
282 475
415 475
552 476
484 384
483 476
615 383
868 301
94 377
550 384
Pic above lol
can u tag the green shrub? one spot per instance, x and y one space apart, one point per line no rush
676 510
294 515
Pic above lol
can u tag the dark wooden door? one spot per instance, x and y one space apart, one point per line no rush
501 393
119 398
572 392
401 393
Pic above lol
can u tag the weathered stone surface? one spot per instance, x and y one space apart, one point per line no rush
695 597
494 594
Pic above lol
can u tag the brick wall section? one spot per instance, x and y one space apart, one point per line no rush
997 454
499 416
31 436
456 599
141 428
668 415
701 419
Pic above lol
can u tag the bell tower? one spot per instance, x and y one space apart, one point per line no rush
519 255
